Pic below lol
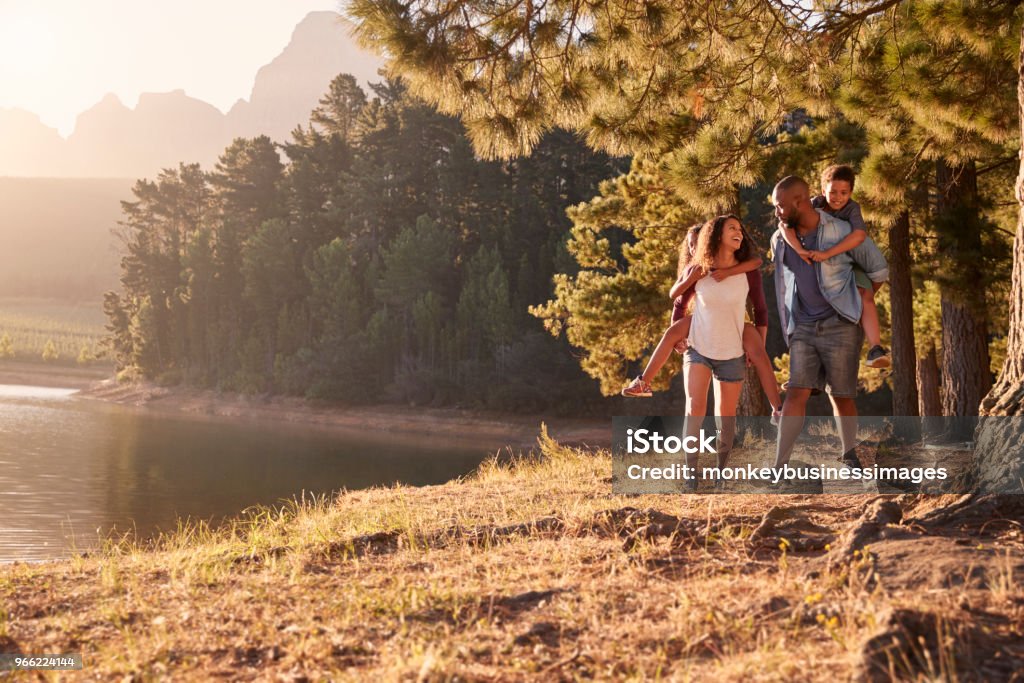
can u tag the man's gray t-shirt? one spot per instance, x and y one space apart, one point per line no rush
811 304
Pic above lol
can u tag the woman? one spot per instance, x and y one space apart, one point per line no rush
715 345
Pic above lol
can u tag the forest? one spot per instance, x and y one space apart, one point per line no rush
411 244
381 260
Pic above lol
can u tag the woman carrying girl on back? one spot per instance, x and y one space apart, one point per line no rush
682 292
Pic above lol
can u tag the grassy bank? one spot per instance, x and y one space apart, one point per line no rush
534 570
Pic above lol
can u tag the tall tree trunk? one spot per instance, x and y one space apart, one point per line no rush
904 356
752 402
752 399
965 361
928 387
998 465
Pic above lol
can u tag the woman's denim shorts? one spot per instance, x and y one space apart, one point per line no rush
732 370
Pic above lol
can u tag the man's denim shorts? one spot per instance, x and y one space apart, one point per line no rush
826 355
732 370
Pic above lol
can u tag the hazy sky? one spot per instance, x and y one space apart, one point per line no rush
59 57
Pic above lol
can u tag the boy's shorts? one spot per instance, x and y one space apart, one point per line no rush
861 277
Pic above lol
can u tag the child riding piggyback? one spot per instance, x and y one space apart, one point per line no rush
837 189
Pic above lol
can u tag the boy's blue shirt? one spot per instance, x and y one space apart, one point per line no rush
835 275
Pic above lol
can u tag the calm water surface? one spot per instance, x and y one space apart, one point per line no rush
72 469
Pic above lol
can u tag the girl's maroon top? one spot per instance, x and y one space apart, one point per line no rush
756 298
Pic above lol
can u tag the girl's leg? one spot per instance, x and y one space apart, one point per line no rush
753 346
869 318
727 397
677 332
698 379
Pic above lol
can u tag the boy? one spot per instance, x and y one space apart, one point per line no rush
837 185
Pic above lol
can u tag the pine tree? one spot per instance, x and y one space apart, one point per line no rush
50 352
484 314
626 242
932 85
416 283
6 346
157 226
338 110
994 470
85 355
272 281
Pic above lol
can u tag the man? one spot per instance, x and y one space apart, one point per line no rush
820 313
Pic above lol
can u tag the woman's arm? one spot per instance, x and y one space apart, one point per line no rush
686 280
738 269
757 299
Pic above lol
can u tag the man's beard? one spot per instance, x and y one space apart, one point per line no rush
793 222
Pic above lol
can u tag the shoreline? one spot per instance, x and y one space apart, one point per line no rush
54 376
454 423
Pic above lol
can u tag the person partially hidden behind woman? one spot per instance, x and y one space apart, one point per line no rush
684 291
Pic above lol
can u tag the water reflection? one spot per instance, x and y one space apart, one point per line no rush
71 469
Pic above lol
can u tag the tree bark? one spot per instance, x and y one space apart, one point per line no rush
928 383
928 387
904 355
752 399
998 464
965 360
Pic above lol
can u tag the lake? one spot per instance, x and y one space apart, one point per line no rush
72 469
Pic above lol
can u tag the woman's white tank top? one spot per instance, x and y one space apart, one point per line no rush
716 329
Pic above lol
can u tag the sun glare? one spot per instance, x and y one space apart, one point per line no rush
27 45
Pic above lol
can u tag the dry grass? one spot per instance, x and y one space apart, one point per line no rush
527 570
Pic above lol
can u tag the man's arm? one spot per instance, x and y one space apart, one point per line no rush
738 269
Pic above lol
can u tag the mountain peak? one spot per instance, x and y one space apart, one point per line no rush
109 102
287 89
113 140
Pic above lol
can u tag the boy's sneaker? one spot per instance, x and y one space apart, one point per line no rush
878 357
638 388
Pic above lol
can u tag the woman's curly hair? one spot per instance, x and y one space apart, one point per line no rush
711 239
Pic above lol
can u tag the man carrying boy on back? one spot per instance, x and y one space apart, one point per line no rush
836 190
820 310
